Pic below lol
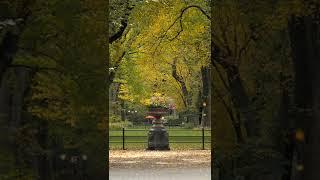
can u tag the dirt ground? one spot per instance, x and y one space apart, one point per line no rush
159 159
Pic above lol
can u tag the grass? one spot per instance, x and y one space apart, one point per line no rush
179 138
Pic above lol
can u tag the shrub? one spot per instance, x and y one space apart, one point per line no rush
120 125
114 118
188 125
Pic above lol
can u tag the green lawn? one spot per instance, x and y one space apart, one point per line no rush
178 138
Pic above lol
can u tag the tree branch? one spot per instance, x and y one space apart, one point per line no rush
118 35
124 24
180 20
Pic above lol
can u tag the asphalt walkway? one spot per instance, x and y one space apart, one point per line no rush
160 165
160 174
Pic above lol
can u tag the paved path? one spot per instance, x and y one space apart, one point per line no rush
160 174
160 165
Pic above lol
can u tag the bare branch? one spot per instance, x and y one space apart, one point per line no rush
221 78
179 18
179 32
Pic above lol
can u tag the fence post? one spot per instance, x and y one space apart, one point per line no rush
122 138
202 138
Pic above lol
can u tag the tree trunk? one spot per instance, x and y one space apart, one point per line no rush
8 49
305 37
12 110
285 145
235 119
124 23
241 101
186 95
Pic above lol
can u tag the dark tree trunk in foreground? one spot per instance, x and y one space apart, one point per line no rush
12 111
11 99
305 42
241 101
239 96
283 124
8 49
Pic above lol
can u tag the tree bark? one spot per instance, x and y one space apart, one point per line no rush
186 95
235 120
241 101
305 37
8 49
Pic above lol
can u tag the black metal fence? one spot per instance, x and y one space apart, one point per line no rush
140 136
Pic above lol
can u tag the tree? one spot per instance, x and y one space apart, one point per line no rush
151 51
55 50
303 30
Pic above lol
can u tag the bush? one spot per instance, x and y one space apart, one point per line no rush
171 121
188 125
114 118
120 125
